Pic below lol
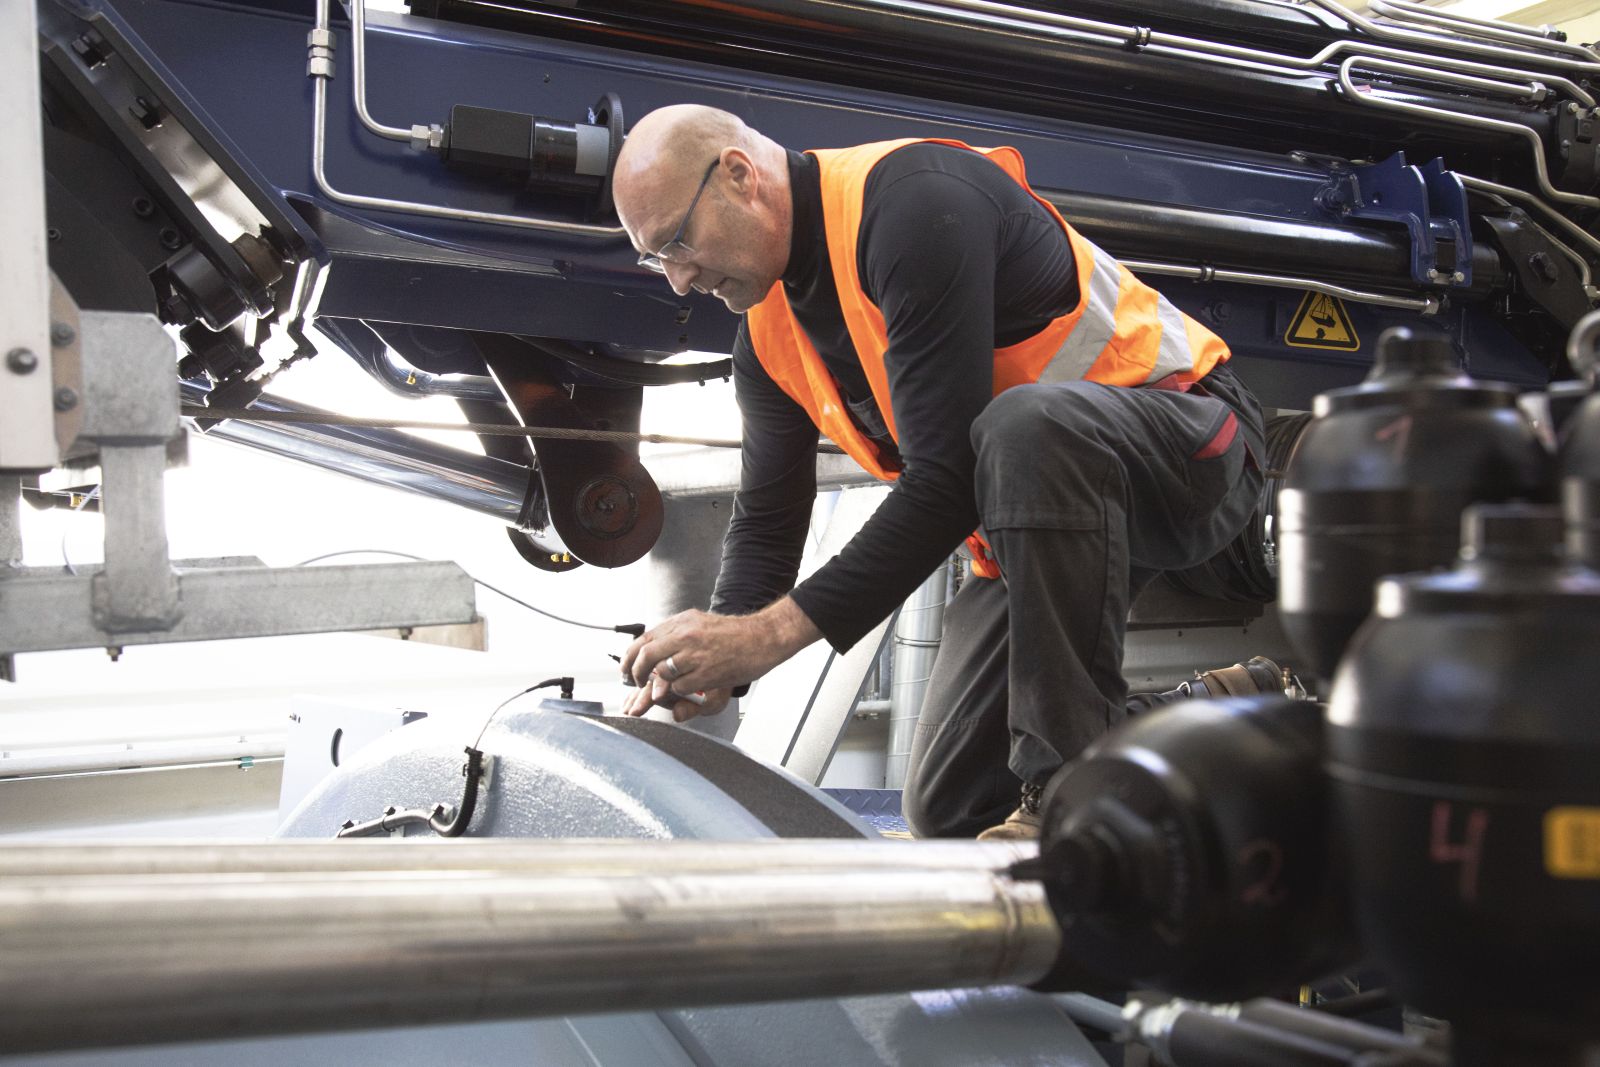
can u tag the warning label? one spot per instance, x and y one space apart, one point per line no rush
1322 322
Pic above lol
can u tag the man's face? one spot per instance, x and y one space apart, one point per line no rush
709 242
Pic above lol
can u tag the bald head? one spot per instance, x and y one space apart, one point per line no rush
735 242
676 143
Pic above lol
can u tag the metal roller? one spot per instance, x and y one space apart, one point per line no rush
190 942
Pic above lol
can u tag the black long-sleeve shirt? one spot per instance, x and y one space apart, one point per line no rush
961 261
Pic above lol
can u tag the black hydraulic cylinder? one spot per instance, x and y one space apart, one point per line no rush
1333 1030
1201 1039
1133 229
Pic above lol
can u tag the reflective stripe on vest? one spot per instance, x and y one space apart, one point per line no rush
1121 332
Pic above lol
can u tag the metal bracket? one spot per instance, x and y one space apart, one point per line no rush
1429 201
129 413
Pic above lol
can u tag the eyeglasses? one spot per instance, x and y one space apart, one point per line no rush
675 251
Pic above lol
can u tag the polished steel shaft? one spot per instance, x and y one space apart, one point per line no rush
115 944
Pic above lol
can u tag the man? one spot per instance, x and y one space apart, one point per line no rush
948 329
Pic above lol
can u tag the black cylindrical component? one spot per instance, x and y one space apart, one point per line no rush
1580 481
1463 745
1238 240
1201 1039
1379 480
1330 1028
1186 851
200 291
564 158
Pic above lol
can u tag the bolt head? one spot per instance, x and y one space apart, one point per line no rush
61 334
66 399
21 361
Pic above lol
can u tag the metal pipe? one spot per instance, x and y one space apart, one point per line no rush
1590 64
133 756
1134 36
1428 305
1513 193
1179 46
358 78
1417 12
1102 1015
479 483
71 859
917 632
1531 91
170 954
1541 171
1466 26
397 375
320 75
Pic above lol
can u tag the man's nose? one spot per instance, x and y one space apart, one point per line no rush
680 276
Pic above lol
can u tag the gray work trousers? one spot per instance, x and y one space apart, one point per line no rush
1086 492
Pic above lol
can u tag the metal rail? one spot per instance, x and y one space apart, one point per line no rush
112 945
1426 305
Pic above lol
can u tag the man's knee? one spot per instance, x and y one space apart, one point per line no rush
929 815
948 807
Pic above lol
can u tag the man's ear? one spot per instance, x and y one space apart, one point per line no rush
743 178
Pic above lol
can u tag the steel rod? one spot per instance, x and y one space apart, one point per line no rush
358 76
190 942
479 483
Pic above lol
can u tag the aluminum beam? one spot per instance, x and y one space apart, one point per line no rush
44 611
27 431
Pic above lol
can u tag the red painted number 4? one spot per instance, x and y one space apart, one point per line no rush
1468 851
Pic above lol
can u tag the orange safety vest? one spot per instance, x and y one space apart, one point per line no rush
1122 332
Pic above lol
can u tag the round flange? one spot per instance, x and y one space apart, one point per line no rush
607 507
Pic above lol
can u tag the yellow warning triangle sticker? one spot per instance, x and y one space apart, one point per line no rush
1322 322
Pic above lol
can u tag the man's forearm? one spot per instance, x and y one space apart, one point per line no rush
786 627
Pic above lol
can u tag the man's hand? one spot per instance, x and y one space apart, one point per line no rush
658 694
695 651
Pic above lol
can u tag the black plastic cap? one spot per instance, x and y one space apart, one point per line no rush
1407 353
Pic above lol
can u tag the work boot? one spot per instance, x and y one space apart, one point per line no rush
1256 675
1022 824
